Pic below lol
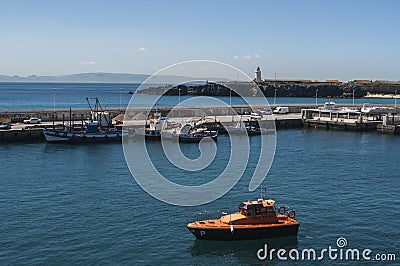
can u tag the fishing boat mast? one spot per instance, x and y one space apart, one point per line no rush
96 110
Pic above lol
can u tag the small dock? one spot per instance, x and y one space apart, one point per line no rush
390 125
345 118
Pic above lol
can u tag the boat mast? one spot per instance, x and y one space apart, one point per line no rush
54 108
70 118
230 102
98 109
54 101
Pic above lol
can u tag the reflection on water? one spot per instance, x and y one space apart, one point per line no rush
245 251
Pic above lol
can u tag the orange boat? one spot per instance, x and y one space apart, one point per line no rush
255 220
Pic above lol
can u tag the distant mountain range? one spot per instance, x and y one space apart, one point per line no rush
93 78
83 77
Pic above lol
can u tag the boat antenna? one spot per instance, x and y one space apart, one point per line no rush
265 193
54 103
70 118
230 222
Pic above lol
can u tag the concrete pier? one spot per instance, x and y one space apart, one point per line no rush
47 114
33 133
331 117
294 119
18 135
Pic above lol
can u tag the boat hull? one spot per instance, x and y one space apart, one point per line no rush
152 137
55 136
253 132
243 233
196 139
149 134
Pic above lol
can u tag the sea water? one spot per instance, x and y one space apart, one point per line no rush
65 95
78 204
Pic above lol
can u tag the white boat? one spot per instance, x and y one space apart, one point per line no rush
153 127
239 128
349 110
371 110
329 105
189 133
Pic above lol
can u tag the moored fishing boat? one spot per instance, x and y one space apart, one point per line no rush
242 129
238 128
97 128
70 135
189 134
152 129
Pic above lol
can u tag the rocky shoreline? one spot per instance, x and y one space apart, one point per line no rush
284 88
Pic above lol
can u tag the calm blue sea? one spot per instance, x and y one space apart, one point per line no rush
41 95
78 204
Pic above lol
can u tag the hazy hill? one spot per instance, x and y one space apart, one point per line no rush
83 77
95 78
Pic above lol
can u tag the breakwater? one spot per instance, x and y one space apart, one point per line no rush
285 88
46 115
33 133
22 135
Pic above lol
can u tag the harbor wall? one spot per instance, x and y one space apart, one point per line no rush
78 114
36 134
31 135
284 88
288 123
15 116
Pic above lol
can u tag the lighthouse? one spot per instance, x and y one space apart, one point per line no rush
258 75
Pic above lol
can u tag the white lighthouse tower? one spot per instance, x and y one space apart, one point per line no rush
258 74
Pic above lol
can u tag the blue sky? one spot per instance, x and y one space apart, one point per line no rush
296 39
